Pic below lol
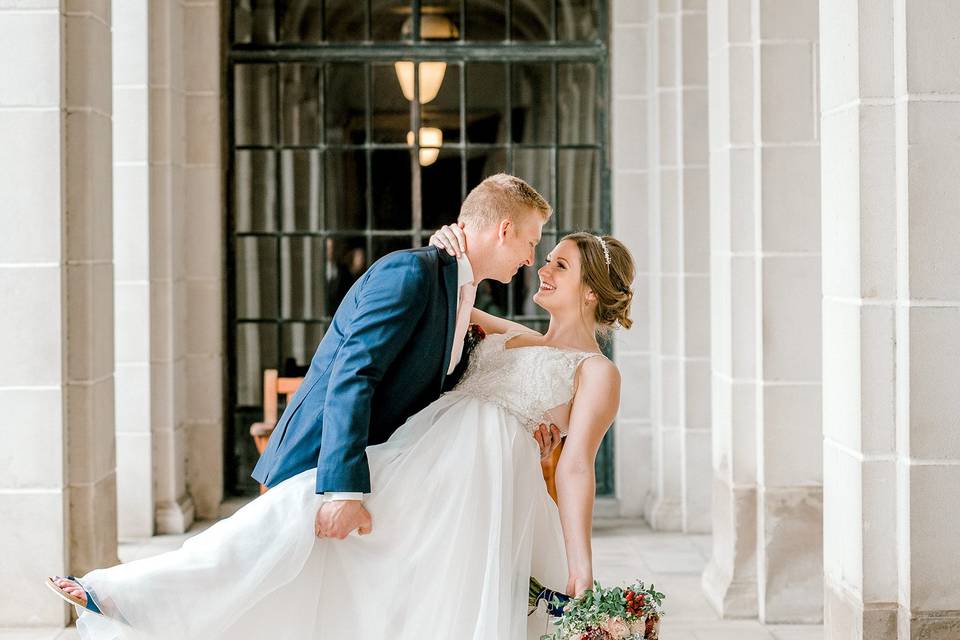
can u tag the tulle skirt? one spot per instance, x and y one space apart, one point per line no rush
461 520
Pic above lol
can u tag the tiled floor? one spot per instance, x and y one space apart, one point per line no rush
622 552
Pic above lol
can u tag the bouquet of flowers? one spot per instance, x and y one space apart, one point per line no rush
631 613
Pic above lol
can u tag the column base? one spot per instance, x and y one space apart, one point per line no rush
929 625
790 560
730 579
847 617
733 599
663 514
175 517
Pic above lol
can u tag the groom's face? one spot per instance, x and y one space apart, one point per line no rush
517 244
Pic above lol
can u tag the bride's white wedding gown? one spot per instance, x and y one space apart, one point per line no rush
461 520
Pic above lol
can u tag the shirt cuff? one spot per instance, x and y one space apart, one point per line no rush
334 496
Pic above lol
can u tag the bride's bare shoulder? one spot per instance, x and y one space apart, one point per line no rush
598 372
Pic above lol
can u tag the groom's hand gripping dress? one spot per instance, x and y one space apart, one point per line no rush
336 519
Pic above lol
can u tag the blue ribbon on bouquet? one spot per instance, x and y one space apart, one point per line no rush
555 599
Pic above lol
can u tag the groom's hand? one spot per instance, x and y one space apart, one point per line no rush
337 519
548 438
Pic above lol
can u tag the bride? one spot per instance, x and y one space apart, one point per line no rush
462 516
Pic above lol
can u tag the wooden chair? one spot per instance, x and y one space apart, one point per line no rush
273 387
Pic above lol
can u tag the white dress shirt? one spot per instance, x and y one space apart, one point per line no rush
466 292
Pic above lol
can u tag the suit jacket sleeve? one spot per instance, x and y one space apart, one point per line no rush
389 307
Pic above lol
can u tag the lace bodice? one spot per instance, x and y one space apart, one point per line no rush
535 383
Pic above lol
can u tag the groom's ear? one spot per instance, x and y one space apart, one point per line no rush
502 230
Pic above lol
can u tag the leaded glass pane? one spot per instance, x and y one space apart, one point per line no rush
533 121
486 102
255 104
346 189
577 103
392 184
388 18
441 191
534 166
255 196
301 176
388 244
486 21
346 20
576 20
578 189
300 20
485 162
298 342
253 21
301 260
443 112
346 260
300 104
391 110
256 350
531 20
255 276
346 112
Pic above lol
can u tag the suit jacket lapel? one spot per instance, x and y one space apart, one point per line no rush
450 279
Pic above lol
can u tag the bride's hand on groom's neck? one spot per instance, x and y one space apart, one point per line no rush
451 239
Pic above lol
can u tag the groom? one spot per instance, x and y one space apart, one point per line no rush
392 348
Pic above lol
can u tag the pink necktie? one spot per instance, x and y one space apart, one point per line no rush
468 294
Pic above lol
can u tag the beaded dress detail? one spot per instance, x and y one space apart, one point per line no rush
529 381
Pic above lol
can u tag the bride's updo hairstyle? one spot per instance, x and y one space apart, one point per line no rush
610 283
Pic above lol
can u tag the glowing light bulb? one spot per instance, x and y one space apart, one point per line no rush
431 139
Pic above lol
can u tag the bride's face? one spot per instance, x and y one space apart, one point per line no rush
561 284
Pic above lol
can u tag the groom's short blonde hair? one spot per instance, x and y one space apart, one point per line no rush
502 197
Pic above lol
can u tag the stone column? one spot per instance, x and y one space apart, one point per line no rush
58 489
766 261
169 243
786 214
175 509
203 244
131 246
927 93
630 68
891 126
679 499
730 580
859 308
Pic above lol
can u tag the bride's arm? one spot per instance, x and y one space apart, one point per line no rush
594 408
493 324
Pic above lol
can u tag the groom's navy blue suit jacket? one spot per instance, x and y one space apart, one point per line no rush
384 357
